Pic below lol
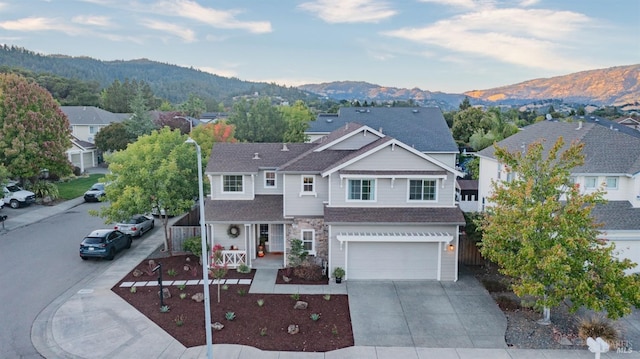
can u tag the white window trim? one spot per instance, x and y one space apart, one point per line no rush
375 190
606 182
422 200
93 130
275 179
312 252
231 192
308 193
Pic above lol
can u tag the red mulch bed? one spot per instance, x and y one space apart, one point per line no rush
332 331
297 280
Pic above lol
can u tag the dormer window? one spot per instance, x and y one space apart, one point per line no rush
232 183
269 179
308 185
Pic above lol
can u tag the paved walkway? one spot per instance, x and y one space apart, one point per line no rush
76 324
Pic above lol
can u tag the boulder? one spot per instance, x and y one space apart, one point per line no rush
301 305
198 297
293 329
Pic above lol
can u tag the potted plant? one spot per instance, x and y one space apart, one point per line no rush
338 273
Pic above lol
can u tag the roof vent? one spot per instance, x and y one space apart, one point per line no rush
415 111
284 147
611 127
329 120
256 156
380 129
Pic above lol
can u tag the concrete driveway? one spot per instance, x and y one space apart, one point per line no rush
425 314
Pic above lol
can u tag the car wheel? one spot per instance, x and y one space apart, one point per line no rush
84 258
14 204
112 254
128 244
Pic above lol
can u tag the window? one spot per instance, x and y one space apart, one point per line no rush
590 182
308 241
93 130
232 183
307 184
422 190
362 190
612 182
510 176
270 179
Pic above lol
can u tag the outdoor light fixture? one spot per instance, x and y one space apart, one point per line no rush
205 254
451 247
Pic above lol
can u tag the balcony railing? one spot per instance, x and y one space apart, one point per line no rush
232 259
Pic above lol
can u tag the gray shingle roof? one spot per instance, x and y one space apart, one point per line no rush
423 128
617 215
262 209
239 157
606 150
452 216
90 115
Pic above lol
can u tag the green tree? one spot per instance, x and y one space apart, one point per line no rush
297 117
113 137
34 133
193 107
157 171
465 104
538 228
465 123
140 123
258 121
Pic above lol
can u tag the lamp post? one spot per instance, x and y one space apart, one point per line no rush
188 120
205 254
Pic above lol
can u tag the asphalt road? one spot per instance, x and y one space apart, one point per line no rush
38 263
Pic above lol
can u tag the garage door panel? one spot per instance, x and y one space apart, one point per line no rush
370 260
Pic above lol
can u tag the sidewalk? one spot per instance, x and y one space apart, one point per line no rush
90 321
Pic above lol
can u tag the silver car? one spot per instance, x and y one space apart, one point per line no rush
136 226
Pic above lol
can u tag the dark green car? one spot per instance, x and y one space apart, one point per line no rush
104 243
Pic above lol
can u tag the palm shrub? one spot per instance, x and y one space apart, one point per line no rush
44 189
598 325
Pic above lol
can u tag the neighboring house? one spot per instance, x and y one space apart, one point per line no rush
630 122
82 154
357 198
612 162
467 194
86 121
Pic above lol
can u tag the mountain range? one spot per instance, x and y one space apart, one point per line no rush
611 86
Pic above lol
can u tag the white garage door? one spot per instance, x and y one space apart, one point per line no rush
370 260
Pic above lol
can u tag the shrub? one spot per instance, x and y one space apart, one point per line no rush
494 286
172 272
133 289
179 320
507 303
230 315
164 309
334 330
242 292
193 245
598 325
297 253
182 286
44 189
315 316
183 295
327 297
295 296
263 331
243 268
260 302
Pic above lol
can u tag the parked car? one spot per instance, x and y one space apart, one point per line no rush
95 193
136 226
104 243
1 203
17 196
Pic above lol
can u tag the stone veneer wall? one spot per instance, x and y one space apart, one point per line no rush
321 235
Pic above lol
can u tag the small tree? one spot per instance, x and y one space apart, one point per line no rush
538 228
297 253
217 268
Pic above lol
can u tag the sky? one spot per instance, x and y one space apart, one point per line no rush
437 45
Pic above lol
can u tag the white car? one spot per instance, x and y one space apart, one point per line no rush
1 203
136 226
16 196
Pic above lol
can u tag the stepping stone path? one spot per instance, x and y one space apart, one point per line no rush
183 282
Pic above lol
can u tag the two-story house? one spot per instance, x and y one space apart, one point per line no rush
612 162
85 122
357 198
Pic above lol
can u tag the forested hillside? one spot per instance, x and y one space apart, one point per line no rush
169 82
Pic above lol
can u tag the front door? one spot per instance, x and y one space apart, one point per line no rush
276 238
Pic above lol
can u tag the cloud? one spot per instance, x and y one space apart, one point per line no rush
468 4
219 72
178 30
535 38
101 21
39 24
349 11
212 17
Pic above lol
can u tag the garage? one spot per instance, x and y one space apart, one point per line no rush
392 260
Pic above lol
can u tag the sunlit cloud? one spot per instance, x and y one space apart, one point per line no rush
217 71
101 21
29 24
177 30
527 3
349 11
469 4
531 38
215 18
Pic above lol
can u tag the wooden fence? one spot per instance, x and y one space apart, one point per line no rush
468 253
186 227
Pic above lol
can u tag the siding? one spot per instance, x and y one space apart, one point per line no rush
448 159
394 159
355 142
305 205
260 188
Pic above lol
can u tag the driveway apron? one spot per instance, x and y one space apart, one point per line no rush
428 314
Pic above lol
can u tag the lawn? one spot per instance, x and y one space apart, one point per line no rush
77 187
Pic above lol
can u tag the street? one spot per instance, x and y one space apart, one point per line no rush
38 263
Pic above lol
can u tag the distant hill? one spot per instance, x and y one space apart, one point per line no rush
612 86
170 82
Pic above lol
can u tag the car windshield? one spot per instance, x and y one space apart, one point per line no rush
93 240
14 188
129 221
97 187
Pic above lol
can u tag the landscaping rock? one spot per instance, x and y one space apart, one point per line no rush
137 273
293 329
198 297
217 326
301 305
165 293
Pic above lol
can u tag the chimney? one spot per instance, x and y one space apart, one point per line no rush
284 147
380 129
255 156
579 125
